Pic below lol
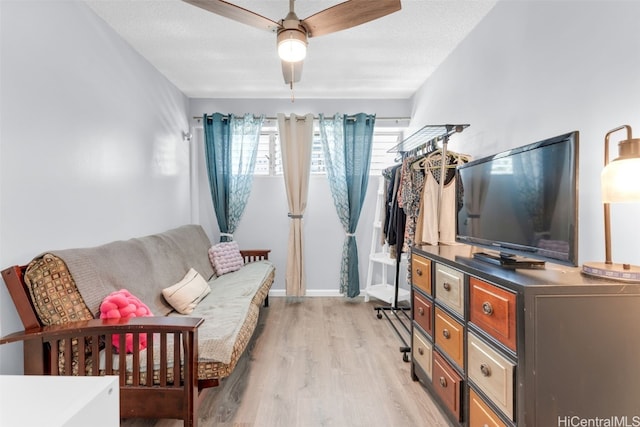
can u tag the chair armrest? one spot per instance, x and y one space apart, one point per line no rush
92 327
250 255
21 336
67 349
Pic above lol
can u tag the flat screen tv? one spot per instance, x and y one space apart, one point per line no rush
522 204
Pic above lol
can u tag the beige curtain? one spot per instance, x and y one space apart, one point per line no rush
296 139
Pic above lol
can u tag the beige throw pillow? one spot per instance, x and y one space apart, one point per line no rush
187 293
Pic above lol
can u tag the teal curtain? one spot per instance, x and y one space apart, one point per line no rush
231 145
346 141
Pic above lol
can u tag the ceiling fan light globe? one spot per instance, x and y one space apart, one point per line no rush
292 45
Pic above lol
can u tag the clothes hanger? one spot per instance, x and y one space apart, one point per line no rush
420 164
458 157
433 153
428 162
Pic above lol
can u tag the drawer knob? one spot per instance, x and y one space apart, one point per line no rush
446 286
420 351
421 311
487 308
418 272
446 333
443 382
485 369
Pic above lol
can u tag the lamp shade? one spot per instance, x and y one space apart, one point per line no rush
292 45
620 181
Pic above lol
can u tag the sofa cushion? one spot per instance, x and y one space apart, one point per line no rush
54 294
187 293
225 257
227 312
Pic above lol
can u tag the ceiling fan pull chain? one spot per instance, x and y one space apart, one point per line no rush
293 98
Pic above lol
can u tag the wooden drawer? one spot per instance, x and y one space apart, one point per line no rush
494 310
447 384
480 414
449 336
422 313
492 373
421 350
449 287
421 273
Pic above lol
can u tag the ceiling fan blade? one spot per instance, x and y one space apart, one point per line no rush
237 13
348 14
292 71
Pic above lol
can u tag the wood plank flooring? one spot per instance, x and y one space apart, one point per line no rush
317 362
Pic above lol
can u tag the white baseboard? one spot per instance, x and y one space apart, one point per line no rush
311 293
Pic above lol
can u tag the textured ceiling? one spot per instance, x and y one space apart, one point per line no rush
209 56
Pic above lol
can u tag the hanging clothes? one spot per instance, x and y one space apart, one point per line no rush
437 221
430 198
395 218
448 213
412 184
390 176
418 209
439 216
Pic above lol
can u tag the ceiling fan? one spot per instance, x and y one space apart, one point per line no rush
292 32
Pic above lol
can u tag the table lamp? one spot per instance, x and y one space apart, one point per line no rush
620 182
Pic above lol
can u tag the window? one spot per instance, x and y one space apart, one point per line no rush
269 159
266 156
383 140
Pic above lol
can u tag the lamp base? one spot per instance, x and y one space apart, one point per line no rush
621 272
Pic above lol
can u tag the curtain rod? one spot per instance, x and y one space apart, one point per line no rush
390 119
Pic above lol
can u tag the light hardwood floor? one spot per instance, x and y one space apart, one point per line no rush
317 362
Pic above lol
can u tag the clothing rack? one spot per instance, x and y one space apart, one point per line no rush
425 140
427 136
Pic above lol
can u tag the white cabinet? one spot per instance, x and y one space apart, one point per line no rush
59 401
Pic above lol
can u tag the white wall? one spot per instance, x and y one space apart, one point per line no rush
265 223
91 141
536 69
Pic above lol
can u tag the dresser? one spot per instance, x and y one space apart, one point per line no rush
500 347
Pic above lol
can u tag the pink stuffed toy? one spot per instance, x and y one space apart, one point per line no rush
122 305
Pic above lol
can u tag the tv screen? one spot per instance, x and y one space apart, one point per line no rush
522 202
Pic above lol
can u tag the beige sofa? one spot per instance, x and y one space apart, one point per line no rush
58 297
